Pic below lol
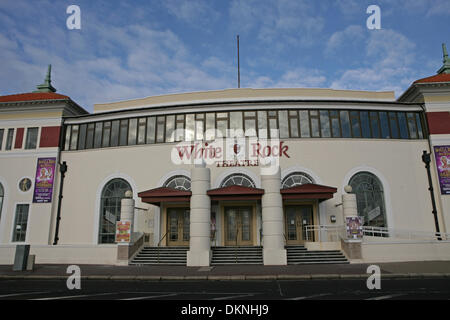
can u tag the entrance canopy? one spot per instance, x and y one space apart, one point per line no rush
163 194
235 192
308 191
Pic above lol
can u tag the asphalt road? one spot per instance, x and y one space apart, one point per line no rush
258 290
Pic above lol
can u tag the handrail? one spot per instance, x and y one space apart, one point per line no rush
157 246
407 234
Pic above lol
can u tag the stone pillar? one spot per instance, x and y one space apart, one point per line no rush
351 247
274 252
127 209
199 253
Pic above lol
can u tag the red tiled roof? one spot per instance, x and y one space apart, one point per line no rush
32 96
308 191
443 77
235 192
163 194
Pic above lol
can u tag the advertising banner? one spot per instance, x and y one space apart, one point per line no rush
123 231
43 184
442 154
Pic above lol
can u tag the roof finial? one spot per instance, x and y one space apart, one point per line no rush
47 85
446 66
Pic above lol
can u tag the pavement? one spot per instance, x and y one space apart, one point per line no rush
417 269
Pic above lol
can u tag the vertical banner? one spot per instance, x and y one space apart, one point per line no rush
43 184
123 231
442 154
354 228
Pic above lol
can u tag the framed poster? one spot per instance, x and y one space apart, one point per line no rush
442 154
123 231
43 184
354 228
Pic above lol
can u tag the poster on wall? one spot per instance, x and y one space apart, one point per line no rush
442 154
354 228
123 231
43 184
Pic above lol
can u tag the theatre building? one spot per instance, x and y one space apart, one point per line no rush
252 176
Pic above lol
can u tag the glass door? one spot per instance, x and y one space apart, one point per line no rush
178 226
238 226
296 219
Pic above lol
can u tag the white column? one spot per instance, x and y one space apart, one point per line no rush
349 207
127 209
274 252
199 253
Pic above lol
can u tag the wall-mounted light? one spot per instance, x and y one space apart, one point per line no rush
333 219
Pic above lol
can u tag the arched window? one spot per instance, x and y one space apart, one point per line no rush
110 201
179 183
296 179
369 198
2 194
238 179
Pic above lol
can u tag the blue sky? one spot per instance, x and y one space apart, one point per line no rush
135 49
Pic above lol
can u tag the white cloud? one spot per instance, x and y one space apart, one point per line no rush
350 35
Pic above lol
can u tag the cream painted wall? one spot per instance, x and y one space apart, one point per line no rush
398 164
14 168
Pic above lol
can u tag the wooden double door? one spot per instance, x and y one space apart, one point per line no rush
238 226
297 217
178 226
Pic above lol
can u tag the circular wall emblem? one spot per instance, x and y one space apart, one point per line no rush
25 184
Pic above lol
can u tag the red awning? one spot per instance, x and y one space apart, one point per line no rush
235 193
308 191
163 194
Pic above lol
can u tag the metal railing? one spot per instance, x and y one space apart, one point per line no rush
159 242
405 234
325 233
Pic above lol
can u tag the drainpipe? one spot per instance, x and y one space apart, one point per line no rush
426 158
62 170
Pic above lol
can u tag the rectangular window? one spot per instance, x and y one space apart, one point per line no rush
412 125
82 137
199 126
402 125
325 124
273 124
393 124
9 139
1 138
354 119
365 125
115 128
123 135
98 134
374 124
90 136
250 123
132 131
222 123
262 124
345 124
419 126
210 126
31 139
293 123
74 138
160 121
170 127
190 127
335 127
315 125
106 134
236 124
151 129
67 139
20 223
179 134
304 124
384 123
141 130
284 124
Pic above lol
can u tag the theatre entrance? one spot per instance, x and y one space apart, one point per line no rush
178 226
238 226
297 217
